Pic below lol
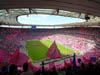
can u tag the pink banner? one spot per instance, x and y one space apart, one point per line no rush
4 56
53 51
18 58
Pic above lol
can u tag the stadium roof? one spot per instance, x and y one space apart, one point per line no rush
10 10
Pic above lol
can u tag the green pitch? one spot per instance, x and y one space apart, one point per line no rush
37 49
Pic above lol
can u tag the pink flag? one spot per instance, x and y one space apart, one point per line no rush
4 55
67 63
51 65
14 57
53 52
85 59
34 67
18 58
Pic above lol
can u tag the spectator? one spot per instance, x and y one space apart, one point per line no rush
26 70
13 70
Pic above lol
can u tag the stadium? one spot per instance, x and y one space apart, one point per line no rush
58 37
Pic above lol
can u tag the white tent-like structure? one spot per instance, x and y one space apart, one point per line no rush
83 9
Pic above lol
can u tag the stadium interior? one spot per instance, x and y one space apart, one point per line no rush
45 49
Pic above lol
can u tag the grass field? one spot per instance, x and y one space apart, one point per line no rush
37 49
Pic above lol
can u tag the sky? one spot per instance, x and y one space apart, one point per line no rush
43 19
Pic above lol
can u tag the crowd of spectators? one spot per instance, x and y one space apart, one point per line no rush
79 39
83 39
91 68
75 37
